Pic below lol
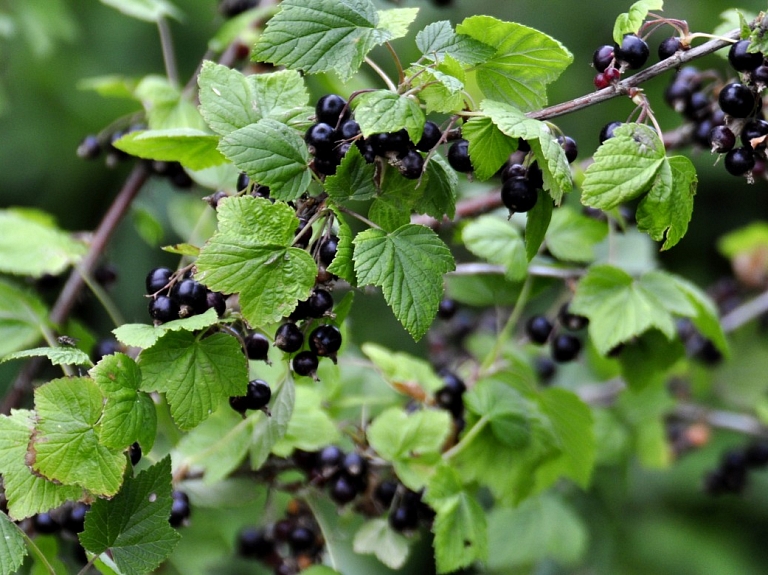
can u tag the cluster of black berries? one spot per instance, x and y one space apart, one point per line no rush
563 347
174 298
336 131
732 474
287 546
345 475
232 8
451 396
609 61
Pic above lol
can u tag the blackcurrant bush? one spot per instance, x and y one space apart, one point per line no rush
721 139
670 47
305 363
633 51
343 490
254 543
602 58
565 347
163 309
45 524
89 148
180 508
447 308
737 100
349 130
569 146
288 338
754 130
157 279
325 340
328 248
329 109
571 321
741 59
458 156
518 195
538 329
321 137
134 453
256 346
607 132
739 161
411 165
319 303
104 347
301 539
191 293
429 137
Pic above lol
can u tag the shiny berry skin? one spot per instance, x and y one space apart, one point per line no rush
319 303
305 363
670 47
301 539
342 490
453 382
104 347
571 321
288 338
355 466
430 137
253 543
721 139
450 399
217 301
607 132
385 492
739 161
329 109
741 59
390 142
89 148
538 329
633 51
612 75
736 100
256 346
458 156
243 181
329 460
446 309
163 309
602 58
565 347
157 279
325 166
328 249
191 293
518 195
325 340
569 146
513 171
760 76
752 130
404 518
411 165
258 394
321 137
601 81
349 130
134 453
180 509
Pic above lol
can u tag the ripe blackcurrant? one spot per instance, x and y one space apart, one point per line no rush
180 508
301 539
157 279
390 142
349 130
447 308
217 301
74 520
134 453
258 394
741 59
325 340
739 161
518 195
545 369
569 146
602 58
342 490
385 492
754 130
571 321
329 460
288 338
538 329
328 248
254 543
191 293
760 76
737 100
321 137
721 139
670 47
45 524
513 171
633 51
404 518
243 181
329 109
697 107
458 156
411 165
305 363
607 132
565 347
325 166
163 309
355 466
429 137
319 303
256 346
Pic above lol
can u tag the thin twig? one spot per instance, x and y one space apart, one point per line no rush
745 313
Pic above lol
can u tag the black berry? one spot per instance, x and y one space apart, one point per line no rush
157 279
243 181
739 161
754 130
741 59
737 100
385 492
256 346
404 518
328 249
180 509
134 452
721 139
305 363
633 51
447 309
301 539
104 347
192 294
390 142
254 543
74 520
571 321
319 303
325 340
565 347
163 309
458 156
538 329
321 137
411 165
217 301
518 195
602 58
607 132
569 146
288 338
329 109
670 47
259 393
343 490
349 130
430 137
45 524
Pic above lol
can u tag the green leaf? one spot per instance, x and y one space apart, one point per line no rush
147 10
267 431
324 35
489 147
630 22
498 242
524 63
412 442
22 315
13 549
230 101
353 180
572 236
129 415
505 411
543 527
57 355
665 212
408 264
646 360
194 149
460 525
133 526
28 493
145 336
166 106
342 264
705 315
272 154
537 224
440 86
310 427
147 225
195 374
396 21
30 246
397 198
403 371
217 446
383 111
376 537
438 190
109 86
625 167
66 445
249 256
438 40
744 240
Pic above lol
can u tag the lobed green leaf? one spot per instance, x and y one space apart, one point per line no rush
630 22
57 355
438 41
489 147
383 111
498 242
22 317
376 537
194 149
13 549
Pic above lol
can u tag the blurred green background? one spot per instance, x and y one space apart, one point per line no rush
638 521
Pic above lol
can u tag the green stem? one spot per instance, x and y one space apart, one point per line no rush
398 64
357 216
381 73
467 439
506 331
50 339
36 551
104 299
169 57
312 503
